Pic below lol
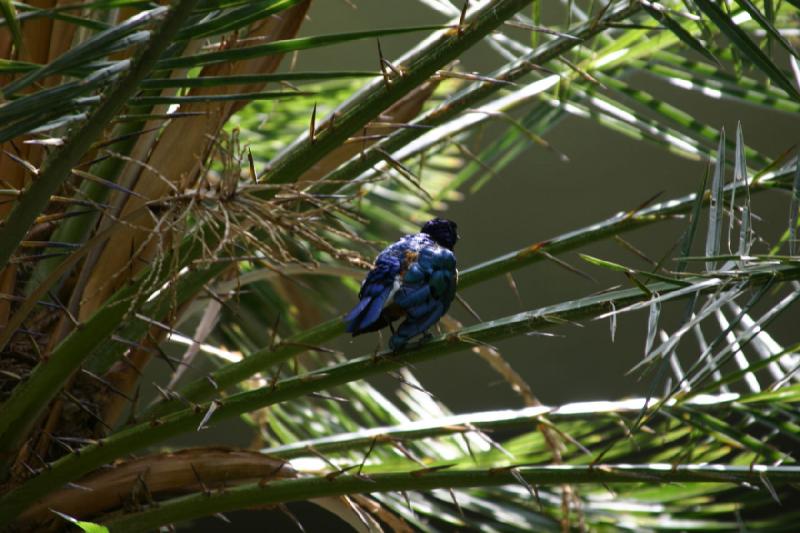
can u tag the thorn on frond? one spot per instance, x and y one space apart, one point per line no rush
211 408
107 384
285 510
366 455
203 486
381 65
407 453
24 163
312 127
461 19
325 460
253 174
427 470
455 502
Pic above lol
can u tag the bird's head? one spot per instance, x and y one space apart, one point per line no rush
443 232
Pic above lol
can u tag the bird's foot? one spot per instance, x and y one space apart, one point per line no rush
379 356
397 343
424 338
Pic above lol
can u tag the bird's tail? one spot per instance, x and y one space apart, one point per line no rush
366 316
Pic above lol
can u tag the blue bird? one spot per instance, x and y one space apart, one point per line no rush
413 278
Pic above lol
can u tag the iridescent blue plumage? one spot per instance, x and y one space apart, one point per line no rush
413 278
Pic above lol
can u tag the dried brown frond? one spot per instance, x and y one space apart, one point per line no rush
394 521
178 157
227 215
284 228
158 476
44 40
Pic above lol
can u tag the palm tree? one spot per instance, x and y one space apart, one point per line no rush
170 180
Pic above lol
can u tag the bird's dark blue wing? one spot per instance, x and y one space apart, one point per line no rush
375 292
426 292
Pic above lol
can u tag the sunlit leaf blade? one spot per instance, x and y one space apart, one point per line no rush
620 118
710 362
716 84
52 119
652 325
15 66
740 180
716 207
698 131
793 62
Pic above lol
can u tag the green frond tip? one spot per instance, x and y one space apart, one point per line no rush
88 527
604 264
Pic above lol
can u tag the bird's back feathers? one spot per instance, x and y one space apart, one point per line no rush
414 277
